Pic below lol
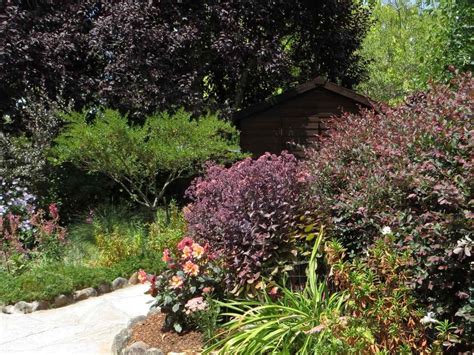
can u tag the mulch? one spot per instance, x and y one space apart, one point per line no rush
150 332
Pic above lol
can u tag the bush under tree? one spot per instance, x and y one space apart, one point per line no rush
144 159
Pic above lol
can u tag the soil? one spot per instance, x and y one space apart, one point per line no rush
150 332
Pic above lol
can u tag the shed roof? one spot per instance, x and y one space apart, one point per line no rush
319 82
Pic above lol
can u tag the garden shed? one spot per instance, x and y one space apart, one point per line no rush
296 117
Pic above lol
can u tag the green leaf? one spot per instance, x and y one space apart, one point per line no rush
176 307
177 327
168 300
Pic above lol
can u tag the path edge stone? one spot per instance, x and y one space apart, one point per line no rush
120 344
63 300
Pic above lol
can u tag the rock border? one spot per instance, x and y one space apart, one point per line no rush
23 307
120 344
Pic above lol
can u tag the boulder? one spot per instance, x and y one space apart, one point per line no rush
119 282
104 288
85 294
8 309
132 322
133 280
154 351
40 305
138 348
120 341
23 307
154 310
62 300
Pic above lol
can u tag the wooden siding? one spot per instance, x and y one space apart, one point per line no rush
300 120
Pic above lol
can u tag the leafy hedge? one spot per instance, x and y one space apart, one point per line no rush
408 168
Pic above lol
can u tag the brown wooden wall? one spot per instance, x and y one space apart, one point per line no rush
299 120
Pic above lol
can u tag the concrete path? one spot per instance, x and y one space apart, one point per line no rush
83 328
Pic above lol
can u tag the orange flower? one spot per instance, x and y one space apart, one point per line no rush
187 252
198 251
191 268
176 282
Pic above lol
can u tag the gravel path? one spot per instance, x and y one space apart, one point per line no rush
86 327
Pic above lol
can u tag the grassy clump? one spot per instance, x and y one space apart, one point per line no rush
111 242
44 282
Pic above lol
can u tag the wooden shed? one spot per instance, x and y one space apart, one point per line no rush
295 118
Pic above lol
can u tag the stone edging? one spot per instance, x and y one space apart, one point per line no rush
76 296
120 345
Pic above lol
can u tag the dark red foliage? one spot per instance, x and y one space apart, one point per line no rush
148 55
409 168
247 212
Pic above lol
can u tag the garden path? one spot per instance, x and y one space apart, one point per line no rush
86 327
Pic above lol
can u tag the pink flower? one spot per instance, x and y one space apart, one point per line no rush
206 290
166 256
191 268
142 276
195 304
198 251
187 252
53 211
185 242
273 291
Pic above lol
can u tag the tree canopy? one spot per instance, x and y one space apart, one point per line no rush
141 57
413 42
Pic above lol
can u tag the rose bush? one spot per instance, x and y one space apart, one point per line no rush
191 274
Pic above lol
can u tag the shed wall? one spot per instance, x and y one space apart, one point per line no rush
300 120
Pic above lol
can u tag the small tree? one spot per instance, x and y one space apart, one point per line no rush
145 159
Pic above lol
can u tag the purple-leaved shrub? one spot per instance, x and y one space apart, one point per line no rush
409 168
248 213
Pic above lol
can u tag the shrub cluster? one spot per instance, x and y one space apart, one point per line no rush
248 213
367 309
409 168
381 312
29 235
47 280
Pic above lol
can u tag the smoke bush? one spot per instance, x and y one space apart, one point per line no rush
248 212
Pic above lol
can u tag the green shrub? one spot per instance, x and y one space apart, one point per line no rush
118 245
145 159
44 282
410 169
166 231
119 234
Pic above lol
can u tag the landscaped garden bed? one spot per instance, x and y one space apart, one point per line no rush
150 332
343 229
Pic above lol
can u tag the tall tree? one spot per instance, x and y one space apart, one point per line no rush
141 56
413 42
